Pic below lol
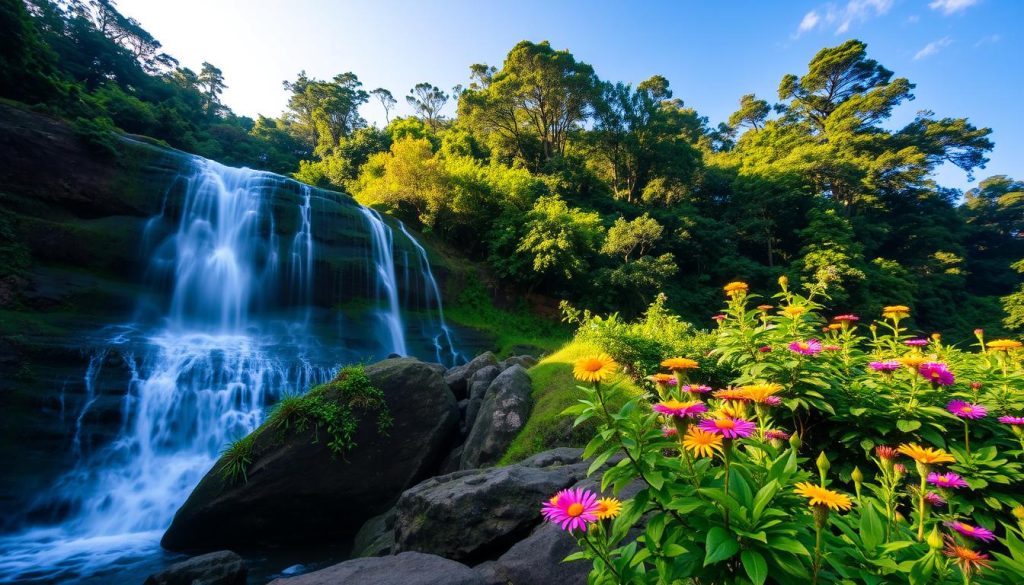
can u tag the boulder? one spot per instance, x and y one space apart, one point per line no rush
298 491
458 377
409 568
478 385
473 515
502 414
527 361
216 568
377 536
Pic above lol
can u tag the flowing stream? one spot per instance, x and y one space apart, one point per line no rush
227 325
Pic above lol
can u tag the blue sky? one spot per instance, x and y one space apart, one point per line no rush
965 56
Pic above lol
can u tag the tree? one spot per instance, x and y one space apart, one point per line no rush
626 237
408 176
753 113
559 239
210 82
387 101
324 112
426 101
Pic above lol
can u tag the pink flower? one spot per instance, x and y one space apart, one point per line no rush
1015 421
809 347
842 318
934 499
572 509
966 409
975 385
978 532
772 400
886 366
730 428
696 388
831 348
667 431
937 373
719 318
900 468
776 435
946 480
680 409
916 342
765 349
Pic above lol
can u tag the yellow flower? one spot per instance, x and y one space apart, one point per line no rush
793 311
834 326
759 392
731 394
608 508
912 361
661 379
680 363
925 455
819 496
896 312
733 288
702 443
595 368
1003 344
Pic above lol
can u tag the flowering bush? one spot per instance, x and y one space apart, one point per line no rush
918 450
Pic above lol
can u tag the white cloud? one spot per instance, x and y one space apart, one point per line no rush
932 48
989 40
842 17
951 6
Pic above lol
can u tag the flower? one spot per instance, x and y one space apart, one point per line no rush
696 388
966 409
608 508
885 452
773 401
831 347
764 308
765 349
1003 344
968 560
946 480
900 469
663 380
912 361
702 443
934 500
734 288
937 373
793 311
595 368
809 347
896 312
730 428
680 409
833 327
1015 421
719 317
983 534
572 509
846 318
776 435
730 394
819 496
759 392
679 363
886 366
926 455
916 342
667 431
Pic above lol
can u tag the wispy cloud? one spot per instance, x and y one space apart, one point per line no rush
989 40
841 17
951 6
932 48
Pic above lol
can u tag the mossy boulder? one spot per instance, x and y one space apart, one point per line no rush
298 488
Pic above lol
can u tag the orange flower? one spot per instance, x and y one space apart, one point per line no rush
896 312
925 455
793 311
819 496
731 394
702 443
912 361
760 392
679 363
594 368
968 560
1003 344
734 288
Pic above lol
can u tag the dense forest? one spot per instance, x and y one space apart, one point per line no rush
569 186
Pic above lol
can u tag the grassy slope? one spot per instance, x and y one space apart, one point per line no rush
554 389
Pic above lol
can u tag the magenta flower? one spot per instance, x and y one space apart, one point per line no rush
696 388
730 428
809 347
886 366
934 499
847 318
966 409
937 373
772 401
946 480
667 431
978 532
776 435
680 409
1015 421
916 342
572 509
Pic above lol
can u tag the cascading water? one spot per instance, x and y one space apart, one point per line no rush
235 335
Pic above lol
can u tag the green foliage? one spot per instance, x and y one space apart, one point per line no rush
236 459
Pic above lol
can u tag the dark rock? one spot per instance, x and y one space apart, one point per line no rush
298 491
458 377
527 361
474 515
377 537
216 568
478 385
503 413
451 462
408 568
537 560
392 356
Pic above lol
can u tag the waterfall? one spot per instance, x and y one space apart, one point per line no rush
235 334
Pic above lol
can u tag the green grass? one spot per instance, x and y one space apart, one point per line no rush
554 390
236 459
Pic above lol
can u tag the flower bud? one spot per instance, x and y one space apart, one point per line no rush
783 283
935 539
795 442
858 479
823 466
1018 513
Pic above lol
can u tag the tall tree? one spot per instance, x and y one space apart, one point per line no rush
426 101
326 111
210 82
387 101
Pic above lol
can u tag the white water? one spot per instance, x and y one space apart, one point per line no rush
443 345
203 377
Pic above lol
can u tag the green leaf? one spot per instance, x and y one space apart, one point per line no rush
871 530
720 546
908 425
755 566
764 497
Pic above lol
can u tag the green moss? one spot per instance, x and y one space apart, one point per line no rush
554 390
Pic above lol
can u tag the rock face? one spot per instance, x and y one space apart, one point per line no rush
377 537
458 377
409 568
216 568
478 385
473 515
537 560
297 491
527 361
503 413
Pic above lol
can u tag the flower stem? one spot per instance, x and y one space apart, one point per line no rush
726 456
817 553
604 558
967 437
921 508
